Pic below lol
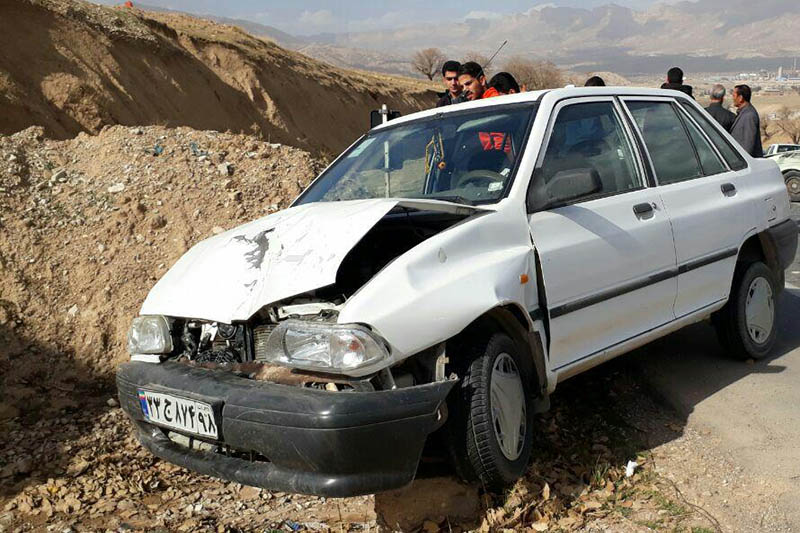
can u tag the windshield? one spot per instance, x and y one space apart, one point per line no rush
467 157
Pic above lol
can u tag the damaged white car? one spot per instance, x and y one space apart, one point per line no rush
443 275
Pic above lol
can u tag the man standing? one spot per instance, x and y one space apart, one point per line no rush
452 94
595 81
716 110
472 80
675 81
746 128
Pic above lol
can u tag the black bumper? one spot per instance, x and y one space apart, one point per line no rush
309 441
784 237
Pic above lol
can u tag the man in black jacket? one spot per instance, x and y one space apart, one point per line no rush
747 127
450 78
675 81
716 110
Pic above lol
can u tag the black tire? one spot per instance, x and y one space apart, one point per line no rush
792 180
472 438
731 321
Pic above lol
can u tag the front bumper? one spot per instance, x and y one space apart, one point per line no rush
309 441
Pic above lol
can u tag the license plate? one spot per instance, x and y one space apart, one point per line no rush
179 413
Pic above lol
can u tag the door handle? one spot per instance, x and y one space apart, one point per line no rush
728 189
644 210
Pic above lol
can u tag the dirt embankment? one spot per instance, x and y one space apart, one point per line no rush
71 66
89 224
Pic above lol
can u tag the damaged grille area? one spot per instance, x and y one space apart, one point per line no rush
261 335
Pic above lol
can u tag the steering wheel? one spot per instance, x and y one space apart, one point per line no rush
481 178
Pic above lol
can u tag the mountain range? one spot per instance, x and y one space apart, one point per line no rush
706 35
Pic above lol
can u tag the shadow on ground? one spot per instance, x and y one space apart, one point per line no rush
603 418
45 392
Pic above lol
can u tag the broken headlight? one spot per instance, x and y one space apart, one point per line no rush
149 335
347 349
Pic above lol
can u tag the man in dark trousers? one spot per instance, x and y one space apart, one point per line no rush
675 81
746 128
450 78
716 110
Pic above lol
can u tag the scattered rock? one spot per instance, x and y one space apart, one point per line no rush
72 311
59 174
116 188
112 402
225 169
8 411
249 493
158 222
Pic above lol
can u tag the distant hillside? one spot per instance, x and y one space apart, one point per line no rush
706 35
77 66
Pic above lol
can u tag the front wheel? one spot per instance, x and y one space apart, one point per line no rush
746 326
490 424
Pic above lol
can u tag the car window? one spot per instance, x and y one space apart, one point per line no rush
590 137
673 156
708 158
735 161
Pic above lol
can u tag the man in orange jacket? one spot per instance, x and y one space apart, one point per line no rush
501 83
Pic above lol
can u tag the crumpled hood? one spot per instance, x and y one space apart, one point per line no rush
232 275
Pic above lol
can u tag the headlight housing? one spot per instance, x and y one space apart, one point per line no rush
149 335
348 349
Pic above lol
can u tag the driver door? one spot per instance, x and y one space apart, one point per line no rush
607 255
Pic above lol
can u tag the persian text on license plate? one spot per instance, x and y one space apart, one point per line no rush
178 413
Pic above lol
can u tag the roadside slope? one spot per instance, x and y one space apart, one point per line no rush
71 66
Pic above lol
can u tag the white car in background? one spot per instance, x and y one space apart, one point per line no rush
445 274
781 148
789 163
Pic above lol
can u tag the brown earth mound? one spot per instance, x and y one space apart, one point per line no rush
89 224
71 66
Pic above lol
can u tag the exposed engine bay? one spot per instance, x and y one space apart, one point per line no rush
241 347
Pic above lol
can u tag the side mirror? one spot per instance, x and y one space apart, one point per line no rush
565 186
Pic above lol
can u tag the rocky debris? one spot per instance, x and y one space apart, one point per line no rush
88 225
87 471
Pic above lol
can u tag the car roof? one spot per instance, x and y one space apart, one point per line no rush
535 96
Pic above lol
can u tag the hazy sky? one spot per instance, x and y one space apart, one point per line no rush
305 17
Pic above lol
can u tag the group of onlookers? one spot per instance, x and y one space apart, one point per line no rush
467 82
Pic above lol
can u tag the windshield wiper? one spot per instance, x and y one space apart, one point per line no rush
445 198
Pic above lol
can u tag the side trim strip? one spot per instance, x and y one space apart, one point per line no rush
703 261
633 337
658 277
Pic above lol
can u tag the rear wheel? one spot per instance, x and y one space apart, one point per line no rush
746 326
490 425
792 179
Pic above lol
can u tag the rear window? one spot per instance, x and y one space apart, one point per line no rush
670 150
735 161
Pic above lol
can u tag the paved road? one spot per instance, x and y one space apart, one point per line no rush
793 273
752 411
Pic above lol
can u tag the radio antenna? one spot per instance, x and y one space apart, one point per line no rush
493 56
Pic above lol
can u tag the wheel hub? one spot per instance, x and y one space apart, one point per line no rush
507 405
759 310
794 185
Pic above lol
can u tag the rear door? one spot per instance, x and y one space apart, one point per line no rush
701 195
607 257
